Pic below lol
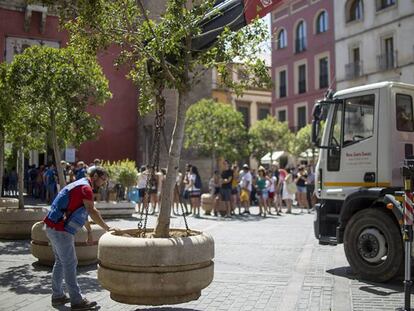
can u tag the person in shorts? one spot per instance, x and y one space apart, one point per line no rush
225 190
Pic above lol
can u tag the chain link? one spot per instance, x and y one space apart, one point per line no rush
159 123
155 161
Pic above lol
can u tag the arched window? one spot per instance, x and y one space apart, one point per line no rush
300 37
322 22
355 10
282 39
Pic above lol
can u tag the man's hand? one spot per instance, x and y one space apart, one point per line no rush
113 229
89 240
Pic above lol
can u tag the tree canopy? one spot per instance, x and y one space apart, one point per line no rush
53 88
302 141
160 54
269 135
216 130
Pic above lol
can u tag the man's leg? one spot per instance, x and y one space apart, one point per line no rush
64 244
57 277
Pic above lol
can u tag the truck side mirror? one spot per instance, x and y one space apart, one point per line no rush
315 132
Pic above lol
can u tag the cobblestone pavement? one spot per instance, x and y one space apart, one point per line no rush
271 263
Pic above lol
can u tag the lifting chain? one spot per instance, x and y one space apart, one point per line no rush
151 182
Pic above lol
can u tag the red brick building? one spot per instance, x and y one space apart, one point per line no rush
23 25
303 58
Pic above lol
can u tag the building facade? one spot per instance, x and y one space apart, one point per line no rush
374 41
254 104
303 58
23 25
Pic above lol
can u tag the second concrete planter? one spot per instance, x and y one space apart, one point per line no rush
155 271
86 254
16 224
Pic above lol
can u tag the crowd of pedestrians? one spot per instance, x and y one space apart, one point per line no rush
272 189
42 182
234 190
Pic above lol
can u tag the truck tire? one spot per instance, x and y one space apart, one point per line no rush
373 245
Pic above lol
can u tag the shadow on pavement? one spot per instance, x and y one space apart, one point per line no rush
394 286
36 279
166 309
9 247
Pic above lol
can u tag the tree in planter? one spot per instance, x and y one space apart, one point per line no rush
23 128
161 55
5 113
269 135
57 85
216 130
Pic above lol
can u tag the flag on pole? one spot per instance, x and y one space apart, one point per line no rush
259 8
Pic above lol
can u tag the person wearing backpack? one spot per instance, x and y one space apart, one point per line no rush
195 186
69 213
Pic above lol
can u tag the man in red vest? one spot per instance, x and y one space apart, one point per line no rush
68 213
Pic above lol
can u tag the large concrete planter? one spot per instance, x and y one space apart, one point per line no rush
86 254
155 271
207 204
115 209
9 202
16 224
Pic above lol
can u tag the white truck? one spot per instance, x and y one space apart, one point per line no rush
368 132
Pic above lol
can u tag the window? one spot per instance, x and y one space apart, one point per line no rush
383 4
323 73
302 79
281 116
282 39
404 113
334 154
300 37
358 119
245 111
263 112
354 10
322 22
354 68
282 83
302 117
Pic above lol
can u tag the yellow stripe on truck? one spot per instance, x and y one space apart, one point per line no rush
356 184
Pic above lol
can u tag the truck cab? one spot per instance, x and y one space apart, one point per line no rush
368 131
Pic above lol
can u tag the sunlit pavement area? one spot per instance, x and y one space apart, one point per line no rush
271 263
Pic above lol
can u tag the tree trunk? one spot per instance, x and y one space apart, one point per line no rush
20 176
213 162
163 221
56 151
2 146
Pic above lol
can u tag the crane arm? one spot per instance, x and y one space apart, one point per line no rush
234 14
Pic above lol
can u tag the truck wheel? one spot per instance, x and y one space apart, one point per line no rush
373 245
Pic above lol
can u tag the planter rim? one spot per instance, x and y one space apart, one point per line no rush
149 230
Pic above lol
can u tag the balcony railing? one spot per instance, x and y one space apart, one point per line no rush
387 61
353 70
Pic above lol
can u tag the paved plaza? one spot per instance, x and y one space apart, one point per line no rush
272 263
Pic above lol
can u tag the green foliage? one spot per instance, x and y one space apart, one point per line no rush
269 135
216 129
158 51
53 88
123 172
5 100
302 141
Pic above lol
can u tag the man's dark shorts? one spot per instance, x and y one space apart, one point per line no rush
225 194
